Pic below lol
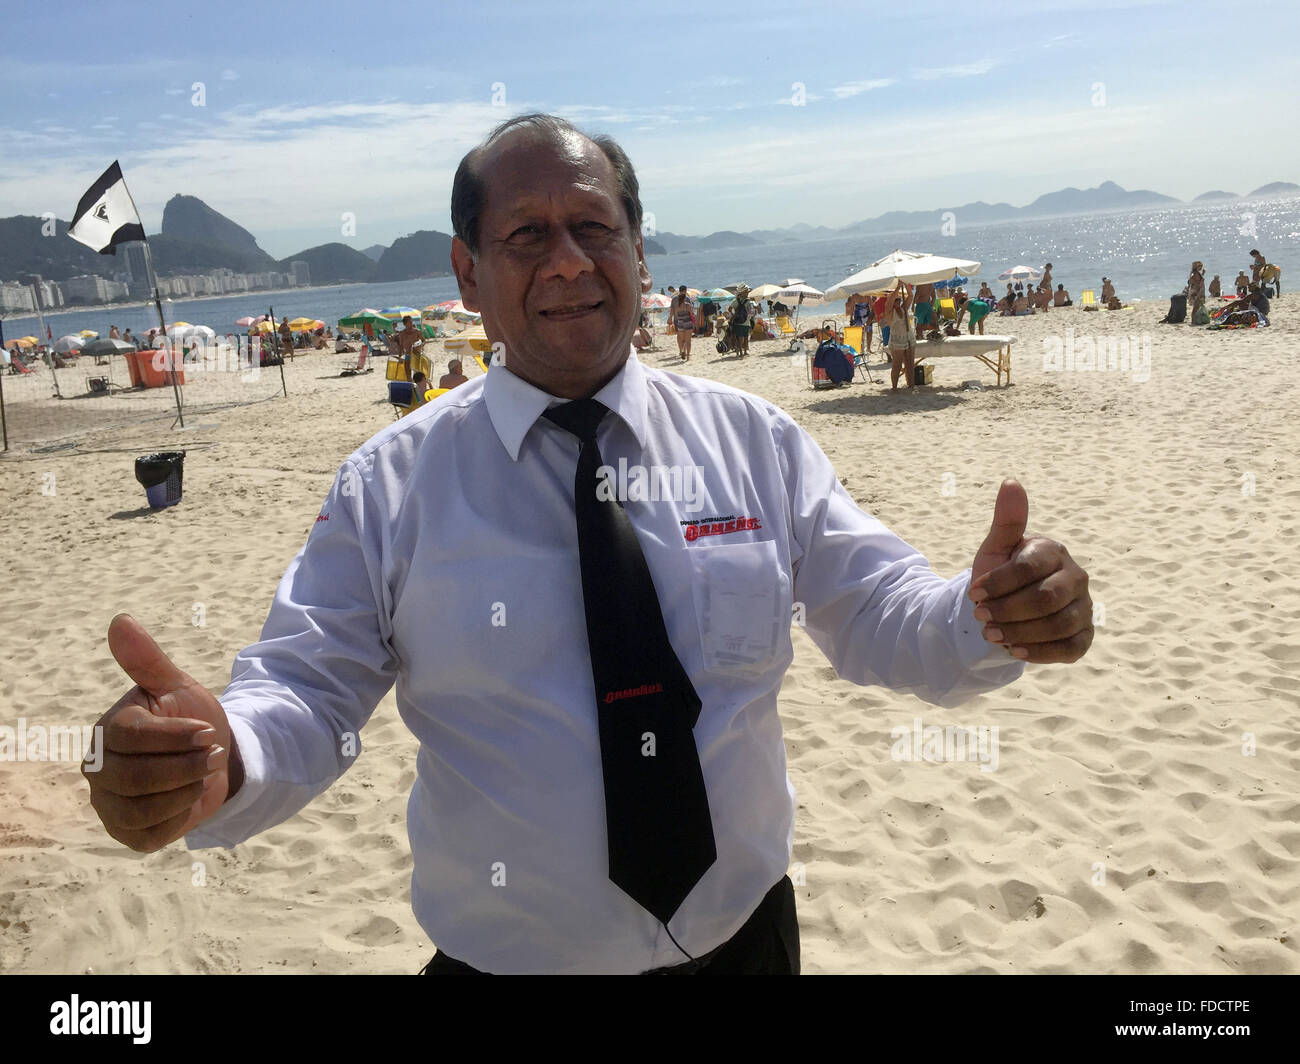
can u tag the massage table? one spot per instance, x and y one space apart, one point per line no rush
973 347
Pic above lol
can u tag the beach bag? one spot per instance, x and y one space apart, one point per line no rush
1177 310
833 361
1201 317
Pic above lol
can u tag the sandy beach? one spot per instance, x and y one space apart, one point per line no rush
1144 815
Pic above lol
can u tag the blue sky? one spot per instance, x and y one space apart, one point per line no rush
813 112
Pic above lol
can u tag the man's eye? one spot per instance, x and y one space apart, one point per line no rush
597 226
526 230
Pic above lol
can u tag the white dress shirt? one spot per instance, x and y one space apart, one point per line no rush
445 558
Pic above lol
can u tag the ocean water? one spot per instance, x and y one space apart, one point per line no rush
1147 253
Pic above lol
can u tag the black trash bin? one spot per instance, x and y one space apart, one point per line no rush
160 474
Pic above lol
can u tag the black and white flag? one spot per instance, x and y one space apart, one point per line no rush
106 215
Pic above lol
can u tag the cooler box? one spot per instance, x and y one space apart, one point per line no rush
922 374
157 378
133 368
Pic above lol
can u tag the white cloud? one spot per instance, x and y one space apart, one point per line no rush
229 75
856 88
963 70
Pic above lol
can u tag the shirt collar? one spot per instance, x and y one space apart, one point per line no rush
514 405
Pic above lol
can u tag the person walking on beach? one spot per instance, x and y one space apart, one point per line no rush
1196 293
286 338
408 339
113 333
684 323
601 784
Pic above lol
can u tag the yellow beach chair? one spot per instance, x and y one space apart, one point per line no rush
481 364
853 337
783 323
947 310
1088 299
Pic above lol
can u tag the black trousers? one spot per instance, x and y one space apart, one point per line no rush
767 944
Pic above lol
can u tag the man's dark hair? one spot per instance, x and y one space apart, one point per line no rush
468 188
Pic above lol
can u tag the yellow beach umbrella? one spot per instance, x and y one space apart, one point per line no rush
306 324
474 337
89 334
27 341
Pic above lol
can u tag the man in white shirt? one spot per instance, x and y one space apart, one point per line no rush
739 516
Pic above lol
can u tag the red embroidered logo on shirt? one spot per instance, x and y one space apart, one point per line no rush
721 527
322 517
633 692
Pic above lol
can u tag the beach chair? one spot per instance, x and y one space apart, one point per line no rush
947 310
352 367
481 364
1088 299
853 339
783 323
16 364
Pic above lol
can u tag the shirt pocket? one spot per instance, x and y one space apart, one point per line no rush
742 604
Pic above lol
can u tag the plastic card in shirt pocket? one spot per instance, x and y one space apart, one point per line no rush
740 603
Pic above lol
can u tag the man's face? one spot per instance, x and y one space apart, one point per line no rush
560 271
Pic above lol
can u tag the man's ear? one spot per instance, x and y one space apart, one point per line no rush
647 282
463 266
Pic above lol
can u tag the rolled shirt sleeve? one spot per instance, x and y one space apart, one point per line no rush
299 696
871 602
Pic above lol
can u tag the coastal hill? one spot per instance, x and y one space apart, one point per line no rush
1275 188
424 253
1205 197
333 264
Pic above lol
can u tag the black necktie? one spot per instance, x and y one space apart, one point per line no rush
656 810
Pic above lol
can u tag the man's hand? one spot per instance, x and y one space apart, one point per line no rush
1032 596
166 748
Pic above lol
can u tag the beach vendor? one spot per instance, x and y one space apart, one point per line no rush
601 785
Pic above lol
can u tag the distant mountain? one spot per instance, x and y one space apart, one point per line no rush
172 256
1277 188
1107 196
190 220
375 251
334 264
652 247
424 253
25 249
725 238
1215 195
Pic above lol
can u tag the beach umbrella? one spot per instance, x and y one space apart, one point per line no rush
27 341
955 282
399 312
306 325
805 293
654 301
765 291
1020 273
719 294
101 348
89 334
183 330
907 267
244 323
359 320
65 344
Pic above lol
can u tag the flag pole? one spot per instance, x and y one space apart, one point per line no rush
4 425
270 312
157 302
36 302
167 346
